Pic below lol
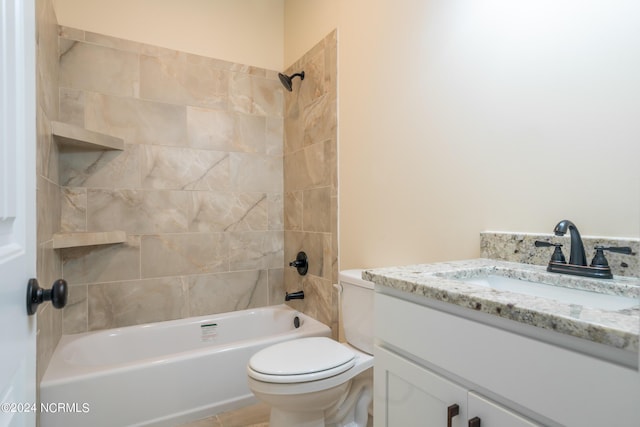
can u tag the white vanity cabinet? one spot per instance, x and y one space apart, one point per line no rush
408 394
427 359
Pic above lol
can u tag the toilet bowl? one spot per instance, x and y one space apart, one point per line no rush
317 382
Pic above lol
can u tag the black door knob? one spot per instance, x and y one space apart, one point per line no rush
36 295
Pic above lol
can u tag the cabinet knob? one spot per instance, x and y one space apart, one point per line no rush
452 411
474 422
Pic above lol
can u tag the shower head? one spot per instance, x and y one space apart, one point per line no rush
286 80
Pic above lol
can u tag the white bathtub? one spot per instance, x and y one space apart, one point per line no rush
162 374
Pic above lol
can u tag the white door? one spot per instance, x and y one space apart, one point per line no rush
17 212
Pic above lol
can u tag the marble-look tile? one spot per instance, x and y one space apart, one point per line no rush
112 42
137 211
255 95
101 168
275 134
184 254
199 186
64 44
293 210
49 264
310 167
293 136
101 69
252 172
75 313
105 263
47 59
48 209
276 286
225 211
335 266
312 244
318 298
224 292
321 301
256 250
184 169
313 86
46 336
74 209
45 147
136 121
226 130
71 33
319 120
72 106
310 181
120 304
183 78
275 211
317 209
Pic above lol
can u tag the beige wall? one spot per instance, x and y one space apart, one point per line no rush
243 31
457 117
305 23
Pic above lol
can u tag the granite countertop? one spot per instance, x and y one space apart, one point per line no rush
440 281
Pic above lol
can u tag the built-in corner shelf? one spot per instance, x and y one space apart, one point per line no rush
70 137
73 240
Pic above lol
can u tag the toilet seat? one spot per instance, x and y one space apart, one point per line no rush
302 360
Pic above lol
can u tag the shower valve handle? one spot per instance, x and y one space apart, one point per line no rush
300 263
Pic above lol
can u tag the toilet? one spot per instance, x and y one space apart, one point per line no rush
318 382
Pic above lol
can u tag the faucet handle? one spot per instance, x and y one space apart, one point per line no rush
557 255
621 250
599 259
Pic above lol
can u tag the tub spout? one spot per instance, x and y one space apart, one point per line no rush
293 295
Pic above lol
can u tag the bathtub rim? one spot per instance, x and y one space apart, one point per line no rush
60 372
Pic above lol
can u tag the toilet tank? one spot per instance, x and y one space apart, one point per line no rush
357 309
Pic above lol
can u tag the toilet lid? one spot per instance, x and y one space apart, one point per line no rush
319 356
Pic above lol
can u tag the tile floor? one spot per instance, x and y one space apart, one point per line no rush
250 416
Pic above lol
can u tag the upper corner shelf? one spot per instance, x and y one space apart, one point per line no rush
75 137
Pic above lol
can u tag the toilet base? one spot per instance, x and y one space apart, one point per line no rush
345 405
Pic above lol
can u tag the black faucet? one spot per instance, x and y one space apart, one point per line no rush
599 267
577 255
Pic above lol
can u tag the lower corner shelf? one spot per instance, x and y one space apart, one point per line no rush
77 239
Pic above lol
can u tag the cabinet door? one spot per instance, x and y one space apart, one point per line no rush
493 415
408 395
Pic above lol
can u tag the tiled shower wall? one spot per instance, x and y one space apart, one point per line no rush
310 181
49 267
198 188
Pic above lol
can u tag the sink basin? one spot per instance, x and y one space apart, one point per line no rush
562 294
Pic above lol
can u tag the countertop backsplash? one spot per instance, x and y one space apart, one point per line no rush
519 247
